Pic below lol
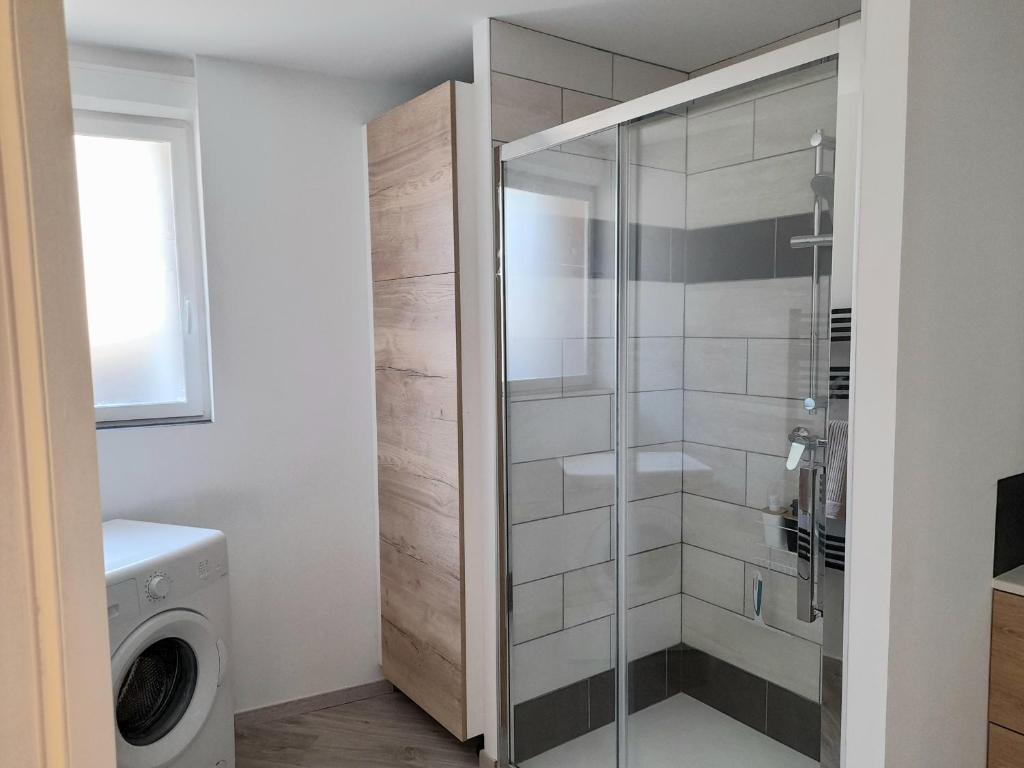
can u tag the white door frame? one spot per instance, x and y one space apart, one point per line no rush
56 708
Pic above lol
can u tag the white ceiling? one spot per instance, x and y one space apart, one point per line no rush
425 41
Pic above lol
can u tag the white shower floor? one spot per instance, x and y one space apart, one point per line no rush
678 732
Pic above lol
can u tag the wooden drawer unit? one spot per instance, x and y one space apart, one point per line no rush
1005 748
1006 676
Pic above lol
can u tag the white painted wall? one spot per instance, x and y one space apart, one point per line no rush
940 357
287 468
960 408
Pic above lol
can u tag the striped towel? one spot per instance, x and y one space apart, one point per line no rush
836 433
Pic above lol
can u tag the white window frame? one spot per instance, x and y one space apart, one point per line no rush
192 295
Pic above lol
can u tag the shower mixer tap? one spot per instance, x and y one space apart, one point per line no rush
802 441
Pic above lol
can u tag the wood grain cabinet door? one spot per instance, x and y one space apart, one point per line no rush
1005 748
413 224
1006 676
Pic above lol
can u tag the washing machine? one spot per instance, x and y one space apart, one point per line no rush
167 608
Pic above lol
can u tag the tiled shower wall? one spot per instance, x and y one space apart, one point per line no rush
719 370
562 477
539 81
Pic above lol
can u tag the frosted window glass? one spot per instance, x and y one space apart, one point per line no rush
131 271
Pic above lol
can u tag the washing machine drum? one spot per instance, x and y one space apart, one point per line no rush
165 678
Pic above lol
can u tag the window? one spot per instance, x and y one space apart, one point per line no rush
144 276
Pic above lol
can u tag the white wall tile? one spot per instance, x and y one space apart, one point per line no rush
655 417
660 142
659 197
588 366
653 627
654 470
653 522
765 87
713 578
783 562
589 593
576 105
723 137
785 121
638 78
653 575
724 528
656 308
716 365
768 476
779 604
655 363
536 609
787 661
554 545
778 308
542 429
718 473
589 481
760 424
534 490
554 661
602 146
779 367
520 107
548 59
762 189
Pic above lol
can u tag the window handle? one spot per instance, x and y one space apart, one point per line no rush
188 317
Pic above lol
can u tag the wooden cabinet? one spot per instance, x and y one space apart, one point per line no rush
1005 748
1006 682
423 425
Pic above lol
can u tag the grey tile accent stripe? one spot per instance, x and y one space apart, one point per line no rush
750 250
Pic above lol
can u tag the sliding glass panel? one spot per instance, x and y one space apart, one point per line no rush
560 361
724 649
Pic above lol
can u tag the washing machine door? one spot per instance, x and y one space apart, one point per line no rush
165 677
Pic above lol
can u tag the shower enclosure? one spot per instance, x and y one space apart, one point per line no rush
675 366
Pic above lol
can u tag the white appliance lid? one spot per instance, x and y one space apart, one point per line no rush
129 542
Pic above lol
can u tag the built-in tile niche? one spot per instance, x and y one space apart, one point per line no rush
718 368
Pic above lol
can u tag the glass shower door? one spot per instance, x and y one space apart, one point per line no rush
559 212
723 648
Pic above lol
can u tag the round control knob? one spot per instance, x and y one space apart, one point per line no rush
158 587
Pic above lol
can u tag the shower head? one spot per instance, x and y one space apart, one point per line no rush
823 186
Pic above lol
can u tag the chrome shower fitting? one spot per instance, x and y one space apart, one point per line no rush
823 186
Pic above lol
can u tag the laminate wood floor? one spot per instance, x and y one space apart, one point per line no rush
386 731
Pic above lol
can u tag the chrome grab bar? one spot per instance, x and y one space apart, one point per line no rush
810 241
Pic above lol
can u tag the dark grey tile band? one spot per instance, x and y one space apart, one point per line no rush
720 685
560 716
749 250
